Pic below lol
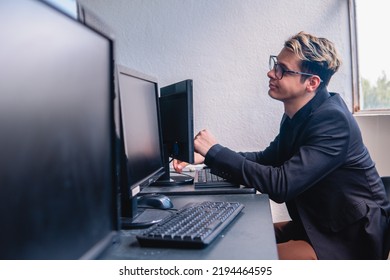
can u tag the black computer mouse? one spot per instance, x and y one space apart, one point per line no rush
155 200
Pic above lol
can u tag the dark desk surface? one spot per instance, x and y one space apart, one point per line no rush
249 237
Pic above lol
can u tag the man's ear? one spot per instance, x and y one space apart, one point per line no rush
313 83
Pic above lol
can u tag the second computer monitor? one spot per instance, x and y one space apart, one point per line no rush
177 128
141 156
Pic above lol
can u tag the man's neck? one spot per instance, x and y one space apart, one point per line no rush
293 106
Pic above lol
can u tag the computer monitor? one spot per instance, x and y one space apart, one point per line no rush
57 183
176 109
140 134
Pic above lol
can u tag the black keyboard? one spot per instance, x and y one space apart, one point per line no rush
205 179
194 226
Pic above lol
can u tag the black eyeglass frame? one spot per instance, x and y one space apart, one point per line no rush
274 61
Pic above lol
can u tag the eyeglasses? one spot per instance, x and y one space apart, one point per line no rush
279 70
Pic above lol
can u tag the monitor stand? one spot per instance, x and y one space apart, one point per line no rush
145 218
172 178
134 217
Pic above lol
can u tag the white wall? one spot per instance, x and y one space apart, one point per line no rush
224 46
376 134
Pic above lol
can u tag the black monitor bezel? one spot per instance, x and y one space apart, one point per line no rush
129 192
182 89
112 235
179 90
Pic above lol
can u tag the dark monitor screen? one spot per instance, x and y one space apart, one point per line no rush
177 128
57 184
177 120
140 134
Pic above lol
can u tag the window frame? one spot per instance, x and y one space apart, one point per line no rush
356 85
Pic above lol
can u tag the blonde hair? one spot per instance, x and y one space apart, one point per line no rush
319 55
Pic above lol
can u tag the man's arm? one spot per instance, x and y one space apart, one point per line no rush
324 148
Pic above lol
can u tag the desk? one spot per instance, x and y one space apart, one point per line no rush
189 189
249 237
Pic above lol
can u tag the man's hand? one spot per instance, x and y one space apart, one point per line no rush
204 140
179 165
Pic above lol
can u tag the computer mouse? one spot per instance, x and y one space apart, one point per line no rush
155 200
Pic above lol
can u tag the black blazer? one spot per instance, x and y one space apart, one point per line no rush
319 166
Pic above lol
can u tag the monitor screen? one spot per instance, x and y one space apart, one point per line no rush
140 134
177 129
57 194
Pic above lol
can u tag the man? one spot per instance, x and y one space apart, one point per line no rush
318 164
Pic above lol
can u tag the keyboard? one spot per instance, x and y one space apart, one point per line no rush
194 226
205 179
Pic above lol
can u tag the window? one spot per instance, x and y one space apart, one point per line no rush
370 28
67 6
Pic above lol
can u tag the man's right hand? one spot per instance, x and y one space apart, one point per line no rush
179 165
